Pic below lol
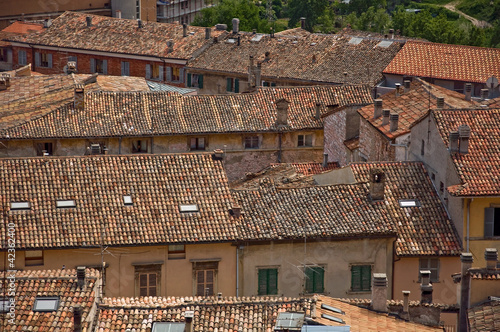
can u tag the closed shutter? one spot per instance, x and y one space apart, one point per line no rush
236 85
229 82
489 222
355 278
181 75
200 81
21 57
92 65
319 280
189 80
148 71
105 67
262 282
366 277
273 84
272 283
169 74
161 73
123 68
309 280
49 60
37 59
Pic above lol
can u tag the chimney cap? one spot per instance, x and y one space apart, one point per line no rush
466 257
464 130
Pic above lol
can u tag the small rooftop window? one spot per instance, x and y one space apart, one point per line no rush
127 200
409 203
66 203
385 43
186 208
289 320
257 37
355 40
4 305
20 206
46 304
332 318
168 327
333 309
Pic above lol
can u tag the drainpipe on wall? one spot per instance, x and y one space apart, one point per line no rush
468 221
279 145
238 248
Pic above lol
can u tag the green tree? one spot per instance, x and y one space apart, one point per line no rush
310 9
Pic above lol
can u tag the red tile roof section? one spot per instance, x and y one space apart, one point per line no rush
310 168
479 169
447 62
485 317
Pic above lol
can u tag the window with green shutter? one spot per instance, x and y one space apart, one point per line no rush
268 282
361 278
315 277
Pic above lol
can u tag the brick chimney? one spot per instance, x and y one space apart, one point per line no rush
407 85
325 160
79 100
453 144
466 259
425 287
393 119
385 120
89 21
491 257
184 30
318 110
80 275
303 22
440 102
377 184
77 318
236 25
484 94
468 91
282 112
398 89
464 134
379 292
377 108
208 33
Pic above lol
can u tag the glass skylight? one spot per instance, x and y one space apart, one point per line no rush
409 203
20 206
127 200
66 203
46 304
185 208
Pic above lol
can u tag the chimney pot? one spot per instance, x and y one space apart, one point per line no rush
208 33
466 259
484 94
71 67
118 14
385 113
391 32
379 292
491 257
394 118
440 102
377 184
236 25
77 318
303 22
282 112
468 91
426 287
318 111
377 108
89 21
464 134
79 100
325 160
453 144
219 296
80 275
406 301
407 84
398 91
184 30
7 78
218 154
188 316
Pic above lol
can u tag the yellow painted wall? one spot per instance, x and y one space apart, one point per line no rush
406 273
481 289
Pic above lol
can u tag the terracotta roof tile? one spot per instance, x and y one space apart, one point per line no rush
108 34
50 283
424 230
310 168
139 114
479 169
157 184
444 61
485 317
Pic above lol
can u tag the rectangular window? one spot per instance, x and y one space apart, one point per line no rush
176 73
46 304
44 149
154 71
125 68
232 85
304 140
197 143
187 208
139 146
205 278
251 142
431 264
441 187
65 204
314 279
99 66
138 9
361 278
268 282
19 206
21 57
43 60
492 221
96 148
148 280
422 148
176 251
33 257
195 80
3 54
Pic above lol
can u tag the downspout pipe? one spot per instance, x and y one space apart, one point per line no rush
469 201
238 248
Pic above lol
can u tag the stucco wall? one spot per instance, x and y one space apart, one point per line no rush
334 256
481 289
334 128
373 145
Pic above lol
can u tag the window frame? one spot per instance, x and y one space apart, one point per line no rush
137 146
311 278
4 55
362 285
46 298
264 273
148 270
232 84
427 266
125 68
205 266
197 143
302 140
44 146
34 260
492 221
251 142
99 66
22 55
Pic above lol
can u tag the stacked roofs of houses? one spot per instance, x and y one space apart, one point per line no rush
45 299
305 57
479 168
209 314
18 28
411 104
121 36
448 62
485 317
120 200
139 114
309 168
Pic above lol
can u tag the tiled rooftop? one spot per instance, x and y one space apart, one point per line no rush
157 184
424 230
18 28
139 114
210 314
310 168
444 61
479 169
484 317
361 319
113 35
305 57
412 105
50 283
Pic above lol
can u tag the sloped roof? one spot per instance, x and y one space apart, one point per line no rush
445 61
210 313
157 184
479 169
310 168
50 283
161 113
361 319
412 105
18 28
123 36
305 57
424 230
484 317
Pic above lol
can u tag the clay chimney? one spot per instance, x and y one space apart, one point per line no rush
325 160
484 94
407 85
379 292
440 102
80 275
491 257
208 33
77 318
385 120
318 111
453 144
282 112
302 22
118 14
464 134
377 184
89 21
236 25
393 119
466 259
79 100
398 89
426 287
377 108
184 30
468 91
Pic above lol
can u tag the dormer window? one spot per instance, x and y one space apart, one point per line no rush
188 208
20 206
409 203
62 204
127 200
46 304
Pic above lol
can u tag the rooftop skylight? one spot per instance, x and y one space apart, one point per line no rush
409 203
385 43
46 304
168 327
355 40
186 208
332 318
20 206
66 203
127 200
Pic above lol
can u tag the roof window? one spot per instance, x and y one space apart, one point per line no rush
333 309
46 304
69 203
332 318
20 206
385 43
127 200
168 327
409 203
4 305
186 208
355 40
289 320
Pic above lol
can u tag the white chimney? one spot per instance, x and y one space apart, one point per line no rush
393 119
379 292
398 91
426 287
377 108
385 113
468 91
236 25
118 14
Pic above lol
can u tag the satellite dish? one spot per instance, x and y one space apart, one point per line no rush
492 82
